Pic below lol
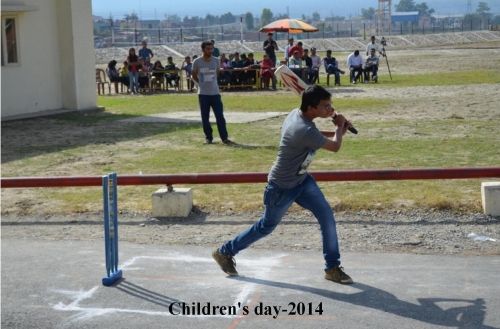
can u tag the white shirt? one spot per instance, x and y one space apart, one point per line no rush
316 62
354 60
371 46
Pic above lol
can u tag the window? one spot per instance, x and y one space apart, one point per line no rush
9 41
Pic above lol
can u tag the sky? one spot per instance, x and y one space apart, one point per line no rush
151 9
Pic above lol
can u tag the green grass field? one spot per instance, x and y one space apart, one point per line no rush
98 144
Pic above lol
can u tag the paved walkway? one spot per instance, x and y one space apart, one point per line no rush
56 284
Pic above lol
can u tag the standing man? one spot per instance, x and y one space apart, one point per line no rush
205 73
373 45
270 46
216 52
287 49
289 182
145 53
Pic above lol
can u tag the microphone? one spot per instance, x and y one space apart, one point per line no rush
350 128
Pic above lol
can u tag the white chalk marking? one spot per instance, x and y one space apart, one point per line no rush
84 313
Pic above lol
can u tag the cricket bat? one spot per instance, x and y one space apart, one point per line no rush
289 79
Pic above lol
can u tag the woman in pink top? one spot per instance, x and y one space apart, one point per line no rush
266 70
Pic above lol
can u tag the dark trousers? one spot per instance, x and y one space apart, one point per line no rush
214 102
356 71
373 70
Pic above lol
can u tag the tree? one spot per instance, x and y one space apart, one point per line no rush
406 5
482 8
227 18
423 9
316 17
483 11
211 19
369 13
249 21
266 17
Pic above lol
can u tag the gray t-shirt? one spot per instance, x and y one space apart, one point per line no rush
299 141
207 75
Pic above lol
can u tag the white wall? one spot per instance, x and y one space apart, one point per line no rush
53 73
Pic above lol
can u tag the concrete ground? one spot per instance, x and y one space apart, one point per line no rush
194 117
57 284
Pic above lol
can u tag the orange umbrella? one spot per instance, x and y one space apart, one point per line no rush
289 25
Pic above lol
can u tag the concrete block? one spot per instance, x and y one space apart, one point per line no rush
490 194
175 203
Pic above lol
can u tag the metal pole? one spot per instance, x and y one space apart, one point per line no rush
255 177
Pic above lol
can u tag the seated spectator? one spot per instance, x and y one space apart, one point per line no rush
112 72
225 73
355 64
295 64
144 70
172 76
332 66
237 64
187 67
157 75
308 66
371 66
297 47
316 64
124 74
267 71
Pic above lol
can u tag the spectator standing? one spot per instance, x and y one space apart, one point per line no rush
270 47
145 53
205 72
216 52
373 45
133 71
187 67
287 50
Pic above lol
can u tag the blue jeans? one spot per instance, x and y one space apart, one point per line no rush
133 78
277 201
215 102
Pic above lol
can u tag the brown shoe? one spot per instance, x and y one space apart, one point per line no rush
226 262
338 275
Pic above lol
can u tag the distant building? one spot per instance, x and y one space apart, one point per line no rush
404 17
48 61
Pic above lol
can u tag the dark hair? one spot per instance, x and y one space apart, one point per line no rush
300 43
356 52
313 95
112 64
204 44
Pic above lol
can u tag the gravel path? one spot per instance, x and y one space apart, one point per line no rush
422 232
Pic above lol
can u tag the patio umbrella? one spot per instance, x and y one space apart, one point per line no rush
289 25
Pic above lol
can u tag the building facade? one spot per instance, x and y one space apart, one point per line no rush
47 57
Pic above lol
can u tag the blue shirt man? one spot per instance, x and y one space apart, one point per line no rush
145 53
